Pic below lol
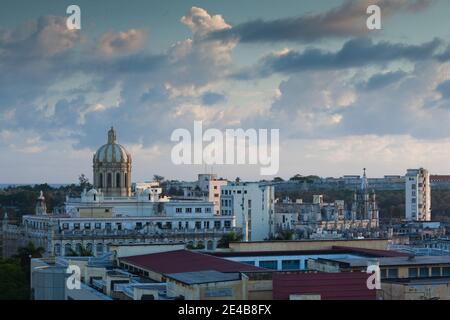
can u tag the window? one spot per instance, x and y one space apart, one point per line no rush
108 226
76 226
180 225
424 272
206 224
198 224
119 226
217 224
208 210
138 225
109 181
435 272
188 210
87 226
383 274
178 210
98 226
65 226
252 263
446 271
392 273
227 224
268 264
187 224
198 210
118 180
412 272
290 264
100 180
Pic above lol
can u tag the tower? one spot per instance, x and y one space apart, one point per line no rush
364 205
112 168
41 207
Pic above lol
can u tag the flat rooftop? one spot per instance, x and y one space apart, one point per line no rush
395 261
207 276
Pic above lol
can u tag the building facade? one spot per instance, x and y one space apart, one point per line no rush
417 195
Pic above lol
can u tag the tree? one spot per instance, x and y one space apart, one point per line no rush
278 179
297 177
83 252
84 182
158 178
24 254
13 281
224 242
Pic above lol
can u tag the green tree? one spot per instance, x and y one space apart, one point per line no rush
24 255
13 281
83 252
224 242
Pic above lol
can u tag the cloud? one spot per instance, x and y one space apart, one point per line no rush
122 43
201 22
45 37
381 80
347 20
360 52
211 98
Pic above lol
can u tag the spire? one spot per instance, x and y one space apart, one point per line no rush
364 182
112 136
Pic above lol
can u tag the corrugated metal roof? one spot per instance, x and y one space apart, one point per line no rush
185 261
330 286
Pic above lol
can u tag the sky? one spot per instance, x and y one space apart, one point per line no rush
343 97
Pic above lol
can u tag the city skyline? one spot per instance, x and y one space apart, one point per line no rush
343 97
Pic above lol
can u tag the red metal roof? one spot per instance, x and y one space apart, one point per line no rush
330 286
186 261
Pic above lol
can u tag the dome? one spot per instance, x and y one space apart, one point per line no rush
112 151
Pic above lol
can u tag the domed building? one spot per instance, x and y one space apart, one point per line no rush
112 168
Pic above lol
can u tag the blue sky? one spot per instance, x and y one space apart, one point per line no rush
343 97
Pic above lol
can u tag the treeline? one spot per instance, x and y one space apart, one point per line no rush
21 200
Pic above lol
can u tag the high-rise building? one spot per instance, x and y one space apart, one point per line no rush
252 205
417 195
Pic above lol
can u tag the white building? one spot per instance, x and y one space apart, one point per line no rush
111 214
417 195
252 205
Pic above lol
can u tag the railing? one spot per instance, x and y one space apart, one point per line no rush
420 251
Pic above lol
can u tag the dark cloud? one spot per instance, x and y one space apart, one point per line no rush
359 52
211 98
382 80
444 89
347 20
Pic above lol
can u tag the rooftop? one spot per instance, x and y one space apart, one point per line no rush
395 261
179 261
203 277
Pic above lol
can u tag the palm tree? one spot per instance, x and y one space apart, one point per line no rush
82 252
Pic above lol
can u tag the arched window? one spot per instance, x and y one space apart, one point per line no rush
57 249
99 249
109 182
100 180
117 180
126 179
67 249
